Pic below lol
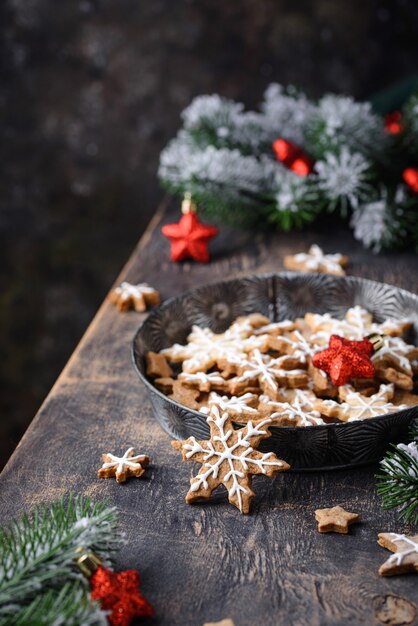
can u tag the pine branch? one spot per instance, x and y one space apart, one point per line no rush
398 481
70 606
38 551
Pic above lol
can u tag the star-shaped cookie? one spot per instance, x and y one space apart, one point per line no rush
124 466
229 458
405 557
336 520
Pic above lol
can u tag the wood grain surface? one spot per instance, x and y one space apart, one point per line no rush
206 562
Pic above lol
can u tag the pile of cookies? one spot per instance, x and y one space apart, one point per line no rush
258 369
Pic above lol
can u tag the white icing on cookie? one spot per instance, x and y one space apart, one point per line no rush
127 290
360 407
300 409
300 346
396 351
229 455
398 557
205 347
266 369
134 462
234 404
285 325
213 378
315 260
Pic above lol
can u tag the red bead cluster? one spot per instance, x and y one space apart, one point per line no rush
410 176
293 157
119 594
393 123
345 359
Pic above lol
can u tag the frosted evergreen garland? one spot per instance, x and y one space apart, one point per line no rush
40 583
398 481
223 155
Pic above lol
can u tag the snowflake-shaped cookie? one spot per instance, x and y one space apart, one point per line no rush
229 458
356 406
296 344
269 373
123 466
204 381
275 328
138 297
393 362
205 348
241 407
316 261
299 410
405 557
357 324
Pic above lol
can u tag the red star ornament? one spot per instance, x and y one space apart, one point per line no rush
345 359
119 593
189 238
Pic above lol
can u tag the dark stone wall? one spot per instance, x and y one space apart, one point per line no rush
90 91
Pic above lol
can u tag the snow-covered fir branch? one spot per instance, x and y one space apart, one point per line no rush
287 113
223 155
38 552
398 480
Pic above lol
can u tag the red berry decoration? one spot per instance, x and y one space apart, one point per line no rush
119 594
345 359
393 123
410 176
189 238
293 157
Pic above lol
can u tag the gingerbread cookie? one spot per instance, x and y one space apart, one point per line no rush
165 384
124 466
240 408
157 365
393 362
269 373
185 395
336 520
356 325
205 348
204 381
405 557
316 261
356 406
258 368
138 297
230 458
298 410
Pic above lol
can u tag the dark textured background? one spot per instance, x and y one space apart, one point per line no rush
90 92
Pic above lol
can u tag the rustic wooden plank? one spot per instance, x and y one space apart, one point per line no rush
205 562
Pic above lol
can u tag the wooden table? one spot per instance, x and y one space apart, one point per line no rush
206 562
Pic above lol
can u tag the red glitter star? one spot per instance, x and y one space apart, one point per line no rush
345 359
189 238
119 593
